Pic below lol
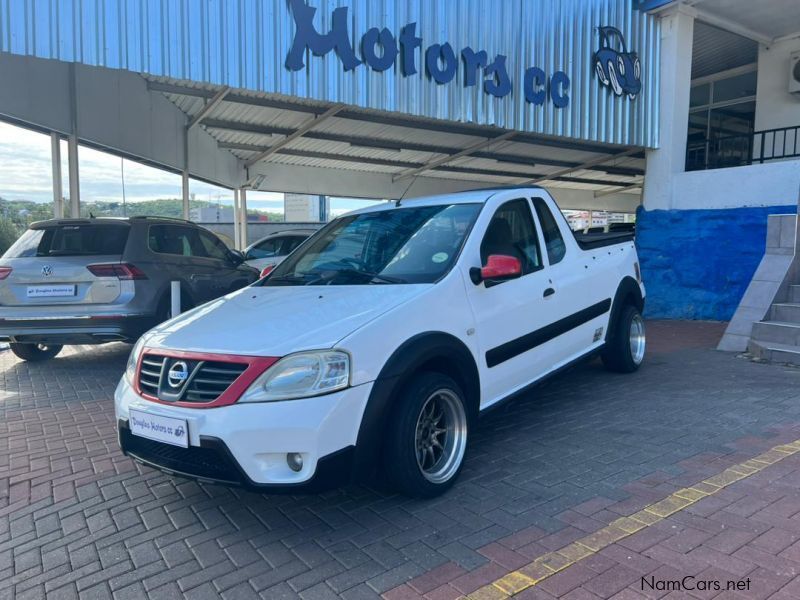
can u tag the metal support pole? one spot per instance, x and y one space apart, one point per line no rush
175 298
74 177
55 157
72 150
237 228
243 218
185 174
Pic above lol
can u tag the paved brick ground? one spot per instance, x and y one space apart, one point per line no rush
77 518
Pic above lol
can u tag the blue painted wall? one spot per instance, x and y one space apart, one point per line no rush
696 264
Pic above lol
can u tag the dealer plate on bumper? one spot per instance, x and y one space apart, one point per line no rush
158 428
51 291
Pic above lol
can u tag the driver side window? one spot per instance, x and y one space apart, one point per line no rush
511 232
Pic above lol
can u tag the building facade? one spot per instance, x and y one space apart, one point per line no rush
681 111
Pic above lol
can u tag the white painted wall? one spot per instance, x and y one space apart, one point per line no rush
771 184
669 160
775 106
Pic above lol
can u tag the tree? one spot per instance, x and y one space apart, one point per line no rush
8 234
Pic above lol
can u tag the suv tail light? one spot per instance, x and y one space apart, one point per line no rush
123 271
5 272
266 271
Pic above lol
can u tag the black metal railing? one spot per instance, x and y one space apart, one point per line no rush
746 149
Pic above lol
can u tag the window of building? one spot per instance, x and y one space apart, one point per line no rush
722 120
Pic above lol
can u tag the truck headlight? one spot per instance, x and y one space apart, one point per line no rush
133 360
301 375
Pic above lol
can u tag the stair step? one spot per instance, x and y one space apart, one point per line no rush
780 332
785 311
794 293
775 352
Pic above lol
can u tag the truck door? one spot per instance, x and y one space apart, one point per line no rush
578 287
512 316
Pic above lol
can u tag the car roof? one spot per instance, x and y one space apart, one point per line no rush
478 196
108 221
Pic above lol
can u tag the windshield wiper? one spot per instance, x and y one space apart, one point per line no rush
378 276
289 277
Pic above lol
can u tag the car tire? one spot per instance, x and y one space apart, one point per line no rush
427 438
36 352
613 79
625 347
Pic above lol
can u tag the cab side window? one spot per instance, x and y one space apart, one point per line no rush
172 239
266 249
554 243
290 243
213 246
512 232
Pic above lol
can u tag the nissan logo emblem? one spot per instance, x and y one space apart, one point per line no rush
47 270
177 374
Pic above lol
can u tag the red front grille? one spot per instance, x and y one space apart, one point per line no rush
210 380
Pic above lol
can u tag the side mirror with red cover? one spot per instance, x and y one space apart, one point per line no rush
498 267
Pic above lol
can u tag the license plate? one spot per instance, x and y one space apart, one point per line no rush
51 291
158 428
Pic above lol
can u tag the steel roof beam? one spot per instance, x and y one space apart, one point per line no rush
588 164
209 107
297 133
451 157
409 165
394 145
386 119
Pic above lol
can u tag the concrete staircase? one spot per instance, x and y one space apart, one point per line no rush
767 321
777 338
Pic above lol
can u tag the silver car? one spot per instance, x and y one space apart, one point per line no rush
90 281
270 251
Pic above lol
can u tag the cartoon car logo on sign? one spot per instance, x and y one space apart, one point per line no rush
615 66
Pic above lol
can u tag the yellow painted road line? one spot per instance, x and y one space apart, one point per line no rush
548 564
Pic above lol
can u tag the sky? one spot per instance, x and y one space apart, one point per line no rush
26 174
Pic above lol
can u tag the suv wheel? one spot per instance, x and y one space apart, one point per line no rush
427 439
624 351
35 352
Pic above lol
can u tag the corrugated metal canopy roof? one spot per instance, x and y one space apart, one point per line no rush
769 19
249 124
715 50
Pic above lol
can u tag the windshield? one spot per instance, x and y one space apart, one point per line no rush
402 245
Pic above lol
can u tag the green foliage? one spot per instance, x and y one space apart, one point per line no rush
8 233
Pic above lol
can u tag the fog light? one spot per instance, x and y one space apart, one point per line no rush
295 461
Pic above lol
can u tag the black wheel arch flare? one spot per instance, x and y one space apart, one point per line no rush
628 292
434 351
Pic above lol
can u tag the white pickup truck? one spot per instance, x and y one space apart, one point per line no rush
377 343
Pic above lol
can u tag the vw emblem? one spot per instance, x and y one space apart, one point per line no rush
177 374
47 270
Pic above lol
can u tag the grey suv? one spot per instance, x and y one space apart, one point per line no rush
90 281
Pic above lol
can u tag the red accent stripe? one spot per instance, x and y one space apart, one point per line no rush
256 365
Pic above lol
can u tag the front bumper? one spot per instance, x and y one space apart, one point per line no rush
246 444
78 329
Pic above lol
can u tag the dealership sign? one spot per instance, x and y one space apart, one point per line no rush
381 49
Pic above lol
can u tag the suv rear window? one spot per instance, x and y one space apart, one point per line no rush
71 240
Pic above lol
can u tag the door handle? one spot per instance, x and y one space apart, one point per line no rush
548 292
